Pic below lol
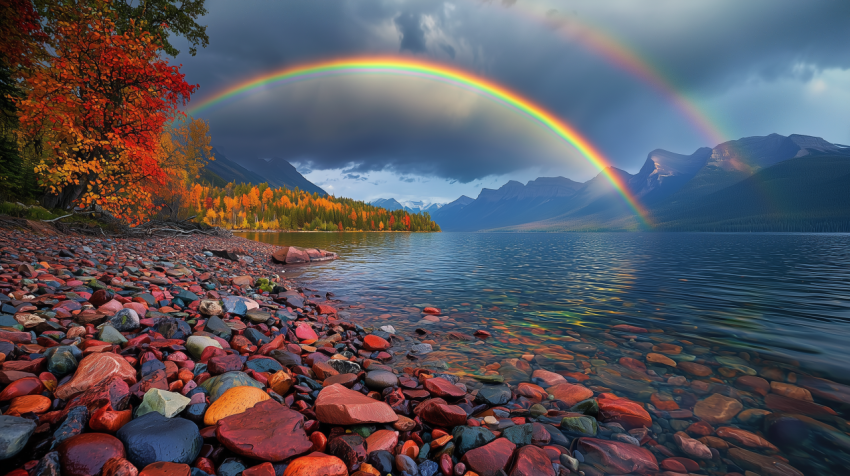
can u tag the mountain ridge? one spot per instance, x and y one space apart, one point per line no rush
278 173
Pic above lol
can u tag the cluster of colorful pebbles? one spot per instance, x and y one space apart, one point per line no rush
126 357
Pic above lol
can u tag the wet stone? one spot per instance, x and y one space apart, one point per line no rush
14 434
494 395
153 438
85 454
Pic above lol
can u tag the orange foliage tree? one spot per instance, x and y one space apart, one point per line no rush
100 100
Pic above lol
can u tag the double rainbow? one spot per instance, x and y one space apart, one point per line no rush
437 72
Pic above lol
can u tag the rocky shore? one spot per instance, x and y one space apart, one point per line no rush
156 357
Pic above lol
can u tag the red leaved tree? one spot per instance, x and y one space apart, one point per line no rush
100 101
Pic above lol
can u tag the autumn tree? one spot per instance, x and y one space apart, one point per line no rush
184 148
102 98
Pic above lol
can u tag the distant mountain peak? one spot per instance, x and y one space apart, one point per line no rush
276 172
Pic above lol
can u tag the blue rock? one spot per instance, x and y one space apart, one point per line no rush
14 434
73 425
152 437
428 468
264 365
470 437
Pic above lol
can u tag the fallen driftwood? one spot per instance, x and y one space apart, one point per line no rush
295 255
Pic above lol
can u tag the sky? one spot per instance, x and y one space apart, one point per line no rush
629 76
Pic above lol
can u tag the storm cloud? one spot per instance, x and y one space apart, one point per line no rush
749 67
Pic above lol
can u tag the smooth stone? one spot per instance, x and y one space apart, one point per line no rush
531 461
168 404
234 401
490 459
316 464
468 438
340 406
257 317
164 468
717 409
405 464
94 369
209 307
85 454
196 345
216 386
111 335
623 411
494 395
125 320
264 365
583 426
14 434
380 379
62 360
570 393
267 431
616 457
153 438
519 435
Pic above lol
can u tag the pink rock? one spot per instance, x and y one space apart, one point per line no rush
305 332
382 440
548 378
491 458
138 307
616 457
111 306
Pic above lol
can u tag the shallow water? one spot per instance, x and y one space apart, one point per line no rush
785 296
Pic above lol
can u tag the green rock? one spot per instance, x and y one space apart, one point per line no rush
736 363
109 334
582 425
683 357
216 386
588 407
470 437
61 360
187 296
196 345
519 435
257 316
538 410
363 430
165 403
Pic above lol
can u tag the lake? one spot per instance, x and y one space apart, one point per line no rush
786 296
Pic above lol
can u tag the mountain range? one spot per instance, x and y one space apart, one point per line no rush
276 172
764 183
411 206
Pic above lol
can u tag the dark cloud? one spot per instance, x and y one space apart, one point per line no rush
704 49
412 34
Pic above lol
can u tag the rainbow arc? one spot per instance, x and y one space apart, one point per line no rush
436 72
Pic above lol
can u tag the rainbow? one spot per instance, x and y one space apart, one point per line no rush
618 54
437 72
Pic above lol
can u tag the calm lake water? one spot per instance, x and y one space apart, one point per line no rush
784 297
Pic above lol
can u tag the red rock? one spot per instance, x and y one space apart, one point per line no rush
290 255
717 409
632 364
349 448
744 438
305 332
223 363
325 309
700 428
616 457
94 369
113 392
346 380
489 459
432 310
265 469
623 411
382 440
548 379
440 387
319 440
85 454
531 391
753 384
105 419
694 368
570 393
691 447
20 387
119 467
268 431
531 461
444 415
316 464
539 435
28 404
689 464
673 465
163 468
373 343
338 405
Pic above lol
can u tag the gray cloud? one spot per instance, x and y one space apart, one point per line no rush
412 34
705 49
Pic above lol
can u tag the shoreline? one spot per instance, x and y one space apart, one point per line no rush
353 400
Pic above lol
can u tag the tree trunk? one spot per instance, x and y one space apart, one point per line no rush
65 198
